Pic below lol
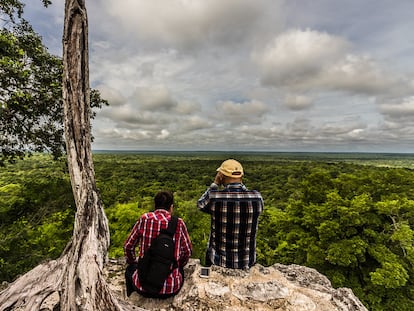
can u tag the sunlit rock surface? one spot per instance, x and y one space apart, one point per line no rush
279 287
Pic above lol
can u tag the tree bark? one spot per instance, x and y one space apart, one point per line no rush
76 278
84 286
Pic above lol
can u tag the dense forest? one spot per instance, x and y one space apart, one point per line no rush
349 216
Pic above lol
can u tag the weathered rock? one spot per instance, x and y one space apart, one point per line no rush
279 287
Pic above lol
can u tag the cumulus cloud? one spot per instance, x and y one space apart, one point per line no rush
399 110
192 123
186 107
343 132
313 60
163 135
297 56
360 74
245 112
297 102
184 23
128 116
154 98
113 96
120 134
191 73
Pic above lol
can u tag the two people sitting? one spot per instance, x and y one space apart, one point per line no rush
234 212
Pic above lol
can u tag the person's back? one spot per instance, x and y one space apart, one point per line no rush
234 214
145 230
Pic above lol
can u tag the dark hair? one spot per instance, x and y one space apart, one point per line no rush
164 200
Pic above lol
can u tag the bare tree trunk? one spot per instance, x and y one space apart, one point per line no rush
75 280
84 286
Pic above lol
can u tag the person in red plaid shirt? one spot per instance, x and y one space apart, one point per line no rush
144 231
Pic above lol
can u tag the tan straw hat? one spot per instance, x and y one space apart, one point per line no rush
231 168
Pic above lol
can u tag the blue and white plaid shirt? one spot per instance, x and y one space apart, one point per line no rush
234 214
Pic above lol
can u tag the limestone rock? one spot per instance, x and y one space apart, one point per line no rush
279 287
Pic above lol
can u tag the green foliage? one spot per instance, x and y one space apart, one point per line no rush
357 230
353 223
37 214
30 94
347 253
12 9
31 105
24 244
122 218
56 228
9 9
390 275
198 225
10 195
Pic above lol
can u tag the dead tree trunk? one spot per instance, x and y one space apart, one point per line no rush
75 281
82 280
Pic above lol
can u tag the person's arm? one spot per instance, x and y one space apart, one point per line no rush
131 243
203 203
185 244
262 201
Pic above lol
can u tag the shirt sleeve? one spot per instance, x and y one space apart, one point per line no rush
131 242
203 203
185 246
262 201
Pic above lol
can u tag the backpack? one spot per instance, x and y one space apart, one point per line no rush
158 261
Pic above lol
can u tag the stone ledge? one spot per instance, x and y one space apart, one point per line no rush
278 287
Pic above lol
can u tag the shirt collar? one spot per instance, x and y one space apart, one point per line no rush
161 211
236 186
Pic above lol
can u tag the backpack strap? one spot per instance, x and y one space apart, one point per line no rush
172 226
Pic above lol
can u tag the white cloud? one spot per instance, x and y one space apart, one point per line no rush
356 133
312 60
297 102
156 98
242 74
195 123
297 56
185 23
245 112
187 107
163 135
360 74
399 110
128 116
113 96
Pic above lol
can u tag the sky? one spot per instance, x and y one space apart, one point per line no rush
247 75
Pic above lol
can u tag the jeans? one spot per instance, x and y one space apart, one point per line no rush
130 286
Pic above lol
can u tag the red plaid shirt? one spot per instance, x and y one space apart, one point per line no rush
145 230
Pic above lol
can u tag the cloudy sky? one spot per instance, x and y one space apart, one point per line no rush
294 75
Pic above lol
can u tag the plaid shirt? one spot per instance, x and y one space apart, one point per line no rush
145 230
234 219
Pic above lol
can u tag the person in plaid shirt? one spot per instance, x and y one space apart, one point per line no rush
144 231
235 212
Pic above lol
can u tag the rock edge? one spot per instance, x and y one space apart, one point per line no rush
278 287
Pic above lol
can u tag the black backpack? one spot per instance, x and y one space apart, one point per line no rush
158 261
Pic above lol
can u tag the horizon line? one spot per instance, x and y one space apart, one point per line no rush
248 151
